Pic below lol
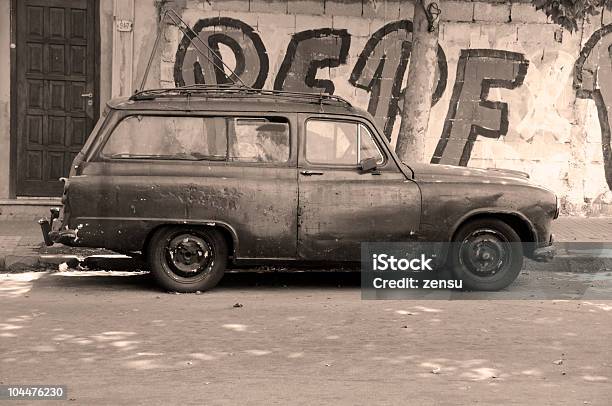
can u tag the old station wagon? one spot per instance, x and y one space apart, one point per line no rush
197 178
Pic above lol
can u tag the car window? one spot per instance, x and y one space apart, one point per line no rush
168 137
258 139
367 146
96 130
339 143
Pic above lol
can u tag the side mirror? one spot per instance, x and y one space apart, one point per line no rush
368 164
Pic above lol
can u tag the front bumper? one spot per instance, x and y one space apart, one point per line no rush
52 232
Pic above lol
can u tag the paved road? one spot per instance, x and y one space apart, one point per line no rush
302 339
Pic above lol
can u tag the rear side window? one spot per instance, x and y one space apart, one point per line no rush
200 138
258 140
167 138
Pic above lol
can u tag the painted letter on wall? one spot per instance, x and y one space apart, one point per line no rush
470 111
196 64
593 80
309 51
381 67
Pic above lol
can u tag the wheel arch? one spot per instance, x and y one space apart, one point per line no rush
519 223
228 232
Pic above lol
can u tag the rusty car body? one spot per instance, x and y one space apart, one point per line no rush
279 177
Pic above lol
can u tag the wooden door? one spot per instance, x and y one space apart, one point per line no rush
55 90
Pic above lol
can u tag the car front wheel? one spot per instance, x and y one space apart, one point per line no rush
187 259
486 255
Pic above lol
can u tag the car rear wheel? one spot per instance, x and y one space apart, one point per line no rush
486 255
187 259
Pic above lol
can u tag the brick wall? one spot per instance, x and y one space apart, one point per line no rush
507 94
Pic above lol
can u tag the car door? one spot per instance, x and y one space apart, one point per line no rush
340 206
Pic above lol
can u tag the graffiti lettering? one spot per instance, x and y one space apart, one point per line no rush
381 67
309 51
249 52
470 112
593 80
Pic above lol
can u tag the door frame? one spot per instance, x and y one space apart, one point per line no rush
14 91
390 167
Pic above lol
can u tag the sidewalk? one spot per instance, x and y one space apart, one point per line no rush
580 229
21 246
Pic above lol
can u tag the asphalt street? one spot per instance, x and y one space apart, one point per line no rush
307 338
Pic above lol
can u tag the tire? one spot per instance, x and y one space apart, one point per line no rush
187 259
486 255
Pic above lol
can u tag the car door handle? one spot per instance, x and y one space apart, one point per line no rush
310 173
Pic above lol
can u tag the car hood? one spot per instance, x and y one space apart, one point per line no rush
450 173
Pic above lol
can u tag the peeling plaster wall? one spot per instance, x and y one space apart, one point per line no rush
507 95
5 96
145 20
133 52
106 50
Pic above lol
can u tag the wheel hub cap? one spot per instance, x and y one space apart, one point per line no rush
188 254
485 252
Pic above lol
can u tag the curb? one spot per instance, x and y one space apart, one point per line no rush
32 263
572 264
19 263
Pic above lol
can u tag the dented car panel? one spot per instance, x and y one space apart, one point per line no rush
340 206
129 199
455 195
279 204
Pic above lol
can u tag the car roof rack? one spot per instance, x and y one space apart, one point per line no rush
233 90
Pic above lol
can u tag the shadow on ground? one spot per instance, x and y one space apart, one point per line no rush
232 280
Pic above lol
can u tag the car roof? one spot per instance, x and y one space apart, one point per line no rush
242 99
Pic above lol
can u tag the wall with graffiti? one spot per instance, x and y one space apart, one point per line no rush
513 91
